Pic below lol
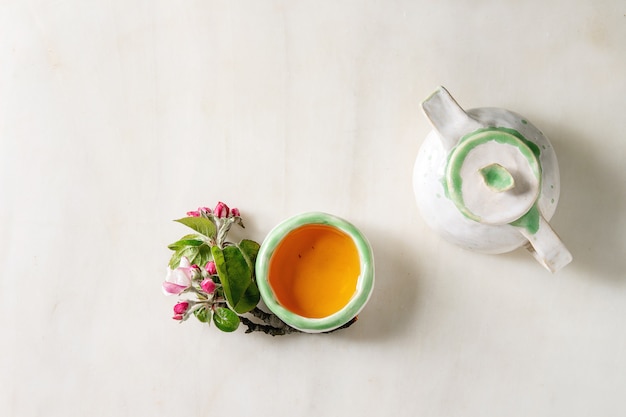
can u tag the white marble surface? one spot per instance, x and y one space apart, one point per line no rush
118 116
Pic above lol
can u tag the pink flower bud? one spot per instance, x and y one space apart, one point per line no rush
210 268
221 210
181 307
193 214
208 286
195 271
235 212
178 317
204 210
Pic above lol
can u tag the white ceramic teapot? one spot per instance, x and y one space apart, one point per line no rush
488 180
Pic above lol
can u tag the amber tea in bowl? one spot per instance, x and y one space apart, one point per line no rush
315 271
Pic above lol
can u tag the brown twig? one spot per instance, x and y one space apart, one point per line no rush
275 326
272 331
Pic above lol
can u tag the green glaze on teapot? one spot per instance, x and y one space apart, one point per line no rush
497 178
529 221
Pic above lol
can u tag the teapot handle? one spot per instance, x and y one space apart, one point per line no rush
448 118
546 246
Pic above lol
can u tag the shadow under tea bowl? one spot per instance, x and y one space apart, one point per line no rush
315 271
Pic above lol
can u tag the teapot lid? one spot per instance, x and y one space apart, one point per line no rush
493 175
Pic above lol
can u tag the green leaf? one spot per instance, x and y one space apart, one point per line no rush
190 252
198 255
204 255
236 276
225 319
203 314
250 249
199 224
183 243
193 236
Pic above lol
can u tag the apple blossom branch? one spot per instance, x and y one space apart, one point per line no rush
219 274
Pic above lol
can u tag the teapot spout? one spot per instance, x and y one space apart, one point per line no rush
448 118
